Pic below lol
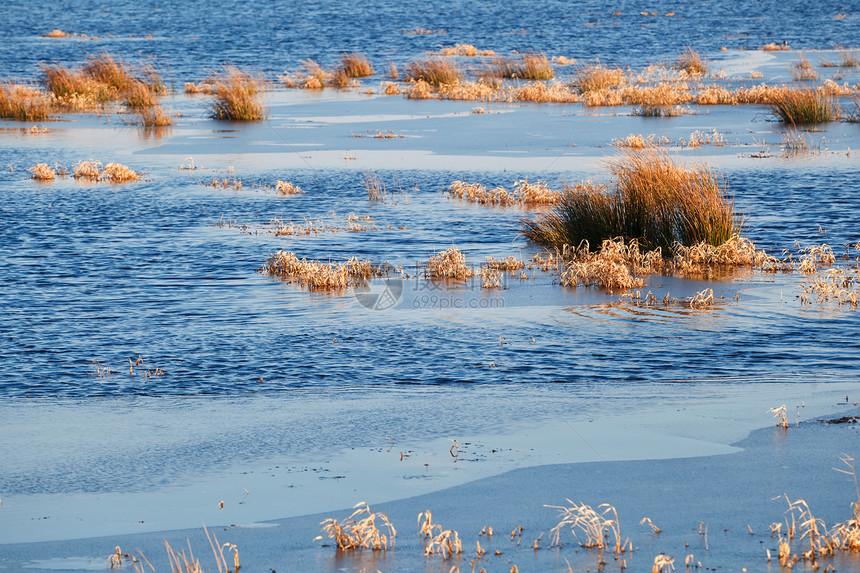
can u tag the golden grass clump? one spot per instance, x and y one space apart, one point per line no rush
110 71
24 103
703 259
652 199
715 95
154 116
43 172
803 71
355 65
804 106
318 275
237 95
640 142
287 188
56 33
774 47
434 71
118 173
594 526
477 193
595 77
390 88
112 172
528 66
837 284
467 50
87 170
535 194
361 533
449 264
543 92
613 266
691 62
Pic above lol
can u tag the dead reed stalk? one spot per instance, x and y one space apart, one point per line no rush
24 103
450 264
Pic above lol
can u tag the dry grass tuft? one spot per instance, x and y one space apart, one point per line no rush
362 533
450 264
804 106
87 170
653 200
24 103
355 65
594 526
774 47
525 194
434 71
528 66
237 95
287 188
112 172
103 78
118 173
691 62
322 276
43 172
376 190
154 116
467 50
477 193
595 77
803 71
640 142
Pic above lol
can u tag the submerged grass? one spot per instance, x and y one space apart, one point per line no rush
652 200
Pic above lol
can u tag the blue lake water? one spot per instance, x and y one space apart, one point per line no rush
133 293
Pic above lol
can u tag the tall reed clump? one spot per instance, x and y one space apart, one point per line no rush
691 62
651 199
237 95
355 65
103 78
529 66
24 103
804 106
434 71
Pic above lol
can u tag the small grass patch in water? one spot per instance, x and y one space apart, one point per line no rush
691 62
360 530
24 103
804 106
652 199
237 95
528 66
434 71
595 77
